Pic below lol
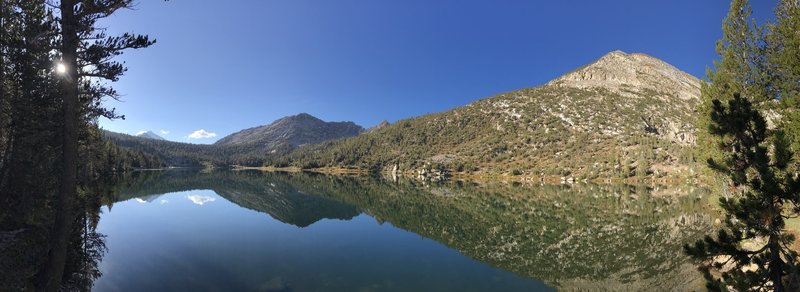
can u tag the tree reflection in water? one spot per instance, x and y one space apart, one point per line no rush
572 237
26 245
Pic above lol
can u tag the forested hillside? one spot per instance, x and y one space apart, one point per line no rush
187 154
624 115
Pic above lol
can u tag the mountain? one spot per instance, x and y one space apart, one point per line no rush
149 135
652 82
248 147
380 125
292 132
623 115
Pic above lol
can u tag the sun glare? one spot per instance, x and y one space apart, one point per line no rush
60 68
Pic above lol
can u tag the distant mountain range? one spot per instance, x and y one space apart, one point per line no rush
149 135
623 115
247 147
292 132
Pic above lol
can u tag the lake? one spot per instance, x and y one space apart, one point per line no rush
255 231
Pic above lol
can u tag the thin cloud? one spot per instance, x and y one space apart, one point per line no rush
140 132
200 134
164 132
200 200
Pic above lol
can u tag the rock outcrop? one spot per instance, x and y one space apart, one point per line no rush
640 76
629 74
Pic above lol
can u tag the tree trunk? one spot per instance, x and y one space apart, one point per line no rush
4 95
68 185
775 261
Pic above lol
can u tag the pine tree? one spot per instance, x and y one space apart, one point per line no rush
783 43
740 70
87 55
28 135
758 164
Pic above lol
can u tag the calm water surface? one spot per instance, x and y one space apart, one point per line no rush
251 231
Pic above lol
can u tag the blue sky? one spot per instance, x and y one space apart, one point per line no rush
222 66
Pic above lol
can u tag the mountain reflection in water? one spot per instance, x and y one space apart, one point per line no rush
474 237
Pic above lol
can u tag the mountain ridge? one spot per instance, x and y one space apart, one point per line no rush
622 115
291 132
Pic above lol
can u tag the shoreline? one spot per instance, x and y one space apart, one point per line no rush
460 176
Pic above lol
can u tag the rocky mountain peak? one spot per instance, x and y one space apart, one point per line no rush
149 135
291 132
303 116
380 125
633 75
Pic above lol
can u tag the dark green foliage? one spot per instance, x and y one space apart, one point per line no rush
761 63
783 43
168 153
752 252
115 159
740 69
29 133
51 152
29 140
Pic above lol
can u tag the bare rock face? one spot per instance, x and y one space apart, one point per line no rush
664 96
633 73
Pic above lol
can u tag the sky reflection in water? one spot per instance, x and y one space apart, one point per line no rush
199 241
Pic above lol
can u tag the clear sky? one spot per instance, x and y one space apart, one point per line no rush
222 66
